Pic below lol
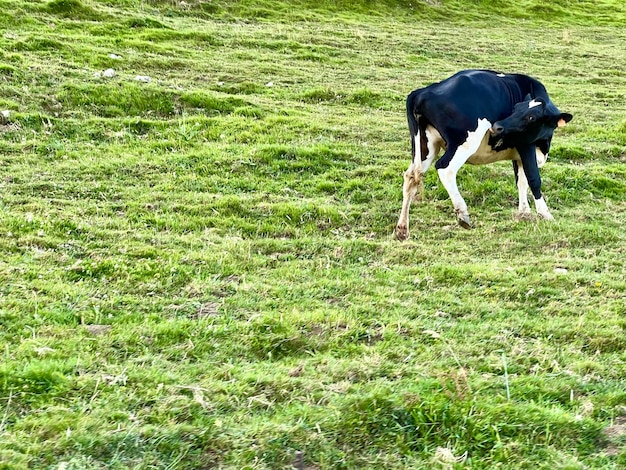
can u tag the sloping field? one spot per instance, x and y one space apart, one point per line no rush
197 261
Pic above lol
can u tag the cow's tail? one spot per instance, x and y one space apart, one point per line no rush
411 110
412 103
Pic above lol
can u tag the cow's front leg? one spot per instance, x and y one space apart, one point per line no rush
531 171
522 190
448 179
453 159
412 183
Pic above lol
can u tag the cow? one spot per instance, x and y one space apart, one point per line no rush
479 117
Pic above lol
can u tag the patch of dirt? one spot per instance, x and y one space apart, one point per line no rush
10 127
373 338
527 216
296 372
97 330
615 433
207 309
317 331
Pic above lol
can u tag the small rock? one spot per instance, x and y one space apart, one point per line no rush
445 456
4 116
143 78
115 56
560 270
108 73
298 463
432 334
269 84
43 350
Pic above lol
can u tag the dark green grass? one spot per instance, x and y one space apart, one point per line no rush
200 271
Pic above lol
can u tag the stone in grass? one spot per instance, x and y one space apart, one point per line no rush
143 78
108 73
5 116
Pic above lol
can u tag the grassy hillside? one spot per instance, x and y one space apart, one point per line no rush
197 268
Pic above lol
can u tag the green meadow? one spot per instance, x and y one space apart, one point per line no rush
197 261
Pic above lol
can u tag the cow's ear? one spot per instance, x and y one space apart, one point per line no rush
564 119
528 97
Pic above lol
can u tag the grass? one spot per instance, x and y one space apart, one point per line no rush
200 271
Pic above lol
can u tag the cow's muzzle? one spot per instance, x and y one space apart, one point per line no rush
496 129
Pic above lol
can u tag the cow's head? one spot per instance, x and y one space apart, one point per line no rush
532 120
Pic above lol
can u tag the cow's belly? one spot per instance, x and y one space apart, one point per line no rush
486 155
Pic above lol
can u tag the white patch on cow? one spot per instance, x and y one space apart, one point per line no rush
501 75
474 139
542 209
533 103
541 157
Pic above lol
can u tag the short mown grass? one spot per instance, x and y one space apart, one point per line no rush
199 270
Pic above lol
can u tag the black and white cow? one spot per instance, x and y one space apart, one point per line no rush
479 117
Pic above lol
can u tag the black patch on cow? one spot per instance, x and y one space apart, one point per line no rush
500 143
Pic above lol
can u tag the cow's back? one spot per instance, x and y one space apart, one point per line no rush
454 105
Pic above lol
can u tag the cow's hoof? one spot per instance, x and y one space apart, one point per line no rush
402 232
464 221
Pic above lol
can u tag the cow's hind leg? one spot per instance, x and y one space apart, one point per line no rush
414 175
412 184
